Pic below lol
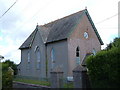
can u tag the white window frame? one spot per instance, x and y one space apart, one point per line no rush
35 48
94 51
86 35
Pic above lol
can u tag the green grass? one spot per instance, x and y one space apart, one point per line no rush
68 85
37 82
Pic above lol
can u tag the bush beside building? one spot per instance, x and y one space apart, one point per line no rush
104 67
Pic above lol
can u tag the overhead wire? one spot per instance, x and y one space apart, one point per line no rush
34 15
107 18
8 9
39 12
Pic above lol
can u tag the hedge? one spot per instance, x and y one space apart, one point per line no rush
104 67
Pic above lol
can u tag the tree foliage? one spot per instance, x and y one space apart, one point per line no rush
11 64
104 67
7 79
7 74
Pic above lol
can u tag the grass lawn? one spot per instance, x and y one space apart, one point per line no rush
37 82
68 85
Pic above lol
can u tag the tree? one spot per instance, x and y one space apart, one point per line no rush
12 65
6 76
115 43
1 57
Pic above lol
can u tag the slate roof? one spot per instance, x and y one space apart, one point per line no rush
59 29
79 68
43 31
28 41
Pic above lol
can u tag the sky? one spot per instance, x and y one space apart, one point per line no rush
21 20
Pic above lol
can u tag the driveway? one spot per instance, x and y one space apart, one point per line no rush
25 85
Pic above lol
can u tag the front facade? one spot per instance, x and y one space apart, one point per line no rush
63 43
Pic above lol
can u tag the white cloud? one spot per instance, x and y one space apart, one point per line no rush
17 24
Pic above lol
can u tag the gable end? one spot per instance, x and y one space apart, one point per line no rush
94 28
28 42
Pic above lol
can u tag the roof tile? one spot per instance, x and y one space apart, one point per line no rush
59 29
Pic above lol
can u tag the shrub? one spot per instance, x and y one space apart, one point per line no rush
7 80
12 65
104 68
6 77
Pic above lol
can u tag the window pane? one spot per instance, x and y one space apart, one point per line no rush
77 60
77 56
52 55
77 52
52 58
38 56
28 56
38 65
28 66
94 52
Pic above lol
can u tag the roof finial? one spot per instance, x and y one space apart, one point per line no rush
85 7
37 25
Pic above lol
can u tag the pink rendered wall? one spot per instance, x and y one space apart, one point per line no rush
85 45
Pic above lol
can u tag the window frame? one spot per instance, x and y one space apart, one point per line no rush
28 57
38 57
52 53
94 51
28 60
78 59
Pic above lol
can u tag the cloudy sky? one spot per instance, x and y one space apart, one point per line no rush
18 23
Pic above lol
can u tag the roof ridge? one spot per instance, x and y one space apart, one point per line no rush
52 22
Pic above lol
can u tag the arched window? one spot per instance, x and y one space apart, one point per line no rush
94 51
77 52
53 57
28 57
38 57
28 60
77 56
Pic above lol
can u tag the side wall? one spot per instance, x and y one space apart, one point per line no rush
22 66
30 69
61 56
86 45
